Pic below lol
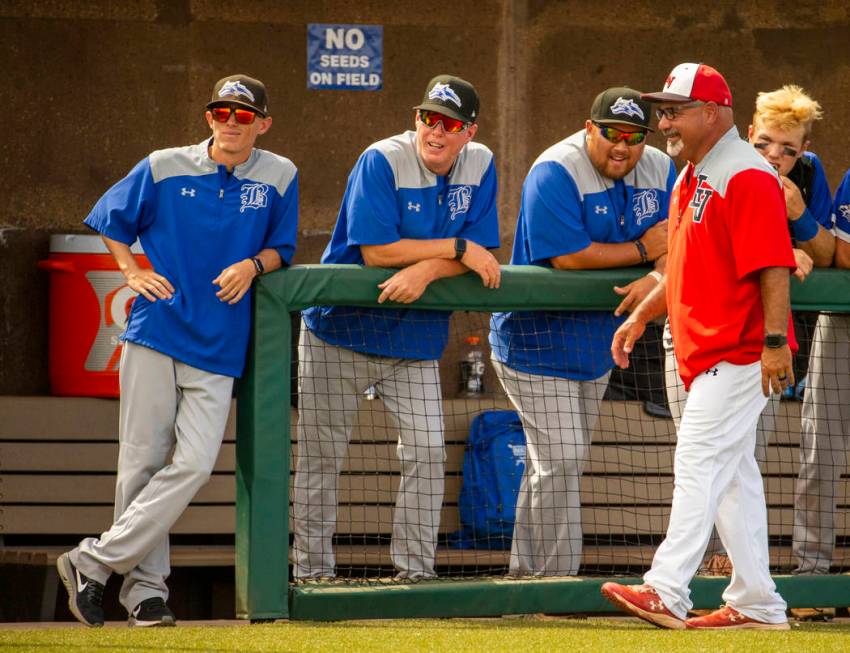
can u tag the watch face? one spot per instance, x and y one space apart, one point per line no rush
460 247
774 340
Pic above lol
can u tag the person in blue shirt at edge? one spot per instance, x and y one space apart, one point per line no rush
825 427
781 131
597 199
211 217
423 201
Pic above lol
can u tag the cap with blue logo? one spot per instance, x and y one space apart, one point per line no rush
242 90
451 96
623 106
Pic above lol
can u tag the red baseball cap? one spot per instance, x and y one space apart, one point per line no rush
693 81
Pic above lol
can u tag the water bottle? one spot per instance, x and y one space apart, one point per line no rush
472 369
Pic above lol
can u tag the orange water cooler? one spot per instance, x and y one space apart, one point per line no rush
89 305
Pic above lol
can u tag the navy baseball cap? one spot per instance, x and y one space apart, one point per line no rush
242 90
623 106
451 96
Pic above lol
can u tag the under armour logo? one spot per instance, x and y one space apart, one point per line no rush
443 92
414 207
734 616
844 209
601 209
187 191
712 371
702 195
656 606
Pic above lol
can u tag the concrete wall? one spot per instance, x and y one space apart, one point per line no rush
92 87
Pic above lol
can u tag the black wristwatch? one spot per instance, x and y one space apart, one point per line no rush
775 340
460 248
258 265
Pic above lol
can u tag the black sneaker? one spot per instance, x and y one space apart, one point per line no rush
85 596
152 612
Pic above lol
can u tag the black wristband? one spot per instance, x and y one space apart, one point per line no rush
460 248
775 340
642 251
258 265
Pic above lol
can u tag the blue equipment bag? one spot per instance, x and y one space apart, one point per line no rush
493 464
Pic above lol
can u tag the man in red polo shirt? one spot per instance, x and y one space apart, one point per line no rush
726 290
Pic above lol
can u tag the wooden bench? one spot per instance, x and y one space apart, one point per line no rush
57 483
57 477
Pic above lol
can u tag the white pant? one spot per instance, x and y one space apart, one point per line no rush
331 382
717 481
557 416
824 439
165 405
676 398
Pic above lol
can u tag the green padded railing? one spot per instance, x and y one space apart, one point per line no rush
263 442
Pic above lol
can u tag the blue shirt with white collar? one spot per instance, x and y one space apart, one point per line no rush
194 219
390 196
566 205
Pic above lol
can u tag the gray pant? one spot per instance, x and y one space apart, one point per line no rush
166 406
824 438
331 382
676 397
557 416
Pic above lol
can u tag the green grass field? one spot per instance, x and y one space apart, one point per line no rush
511 635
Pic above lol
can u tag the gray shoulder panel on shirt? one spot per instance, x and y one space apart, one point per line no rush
650 172
400 153
268 168
571 155
729 157
471 164
186 161
193 161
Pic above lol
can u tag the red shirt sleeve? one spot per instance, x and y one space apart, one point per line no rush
758 226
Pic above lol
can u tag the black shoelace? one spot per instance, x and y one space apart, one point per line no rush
94 592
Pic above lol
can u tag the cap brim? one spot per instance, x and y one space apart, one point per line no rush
442 108
665 97
226 101
619 121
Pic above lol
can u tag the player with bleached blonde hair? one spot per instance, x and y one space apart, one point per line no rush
780 131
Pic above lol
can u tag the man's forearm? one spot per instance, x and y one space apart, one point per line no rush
821 248
654 305
407 251
440 268
598 256
270 258
122 254
775 299
842 254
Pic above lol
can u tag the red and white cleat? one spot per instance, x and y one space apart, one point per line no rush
642 601
727 618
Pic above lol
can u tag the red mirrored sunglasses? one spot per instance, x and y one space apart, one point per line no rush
243 116
451 125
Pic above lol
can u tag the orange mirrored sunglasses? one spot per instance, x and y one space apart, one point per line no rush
243 116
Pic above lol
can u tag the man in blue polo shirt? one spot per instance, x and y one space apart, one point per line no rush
211 217
423 201
597 199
